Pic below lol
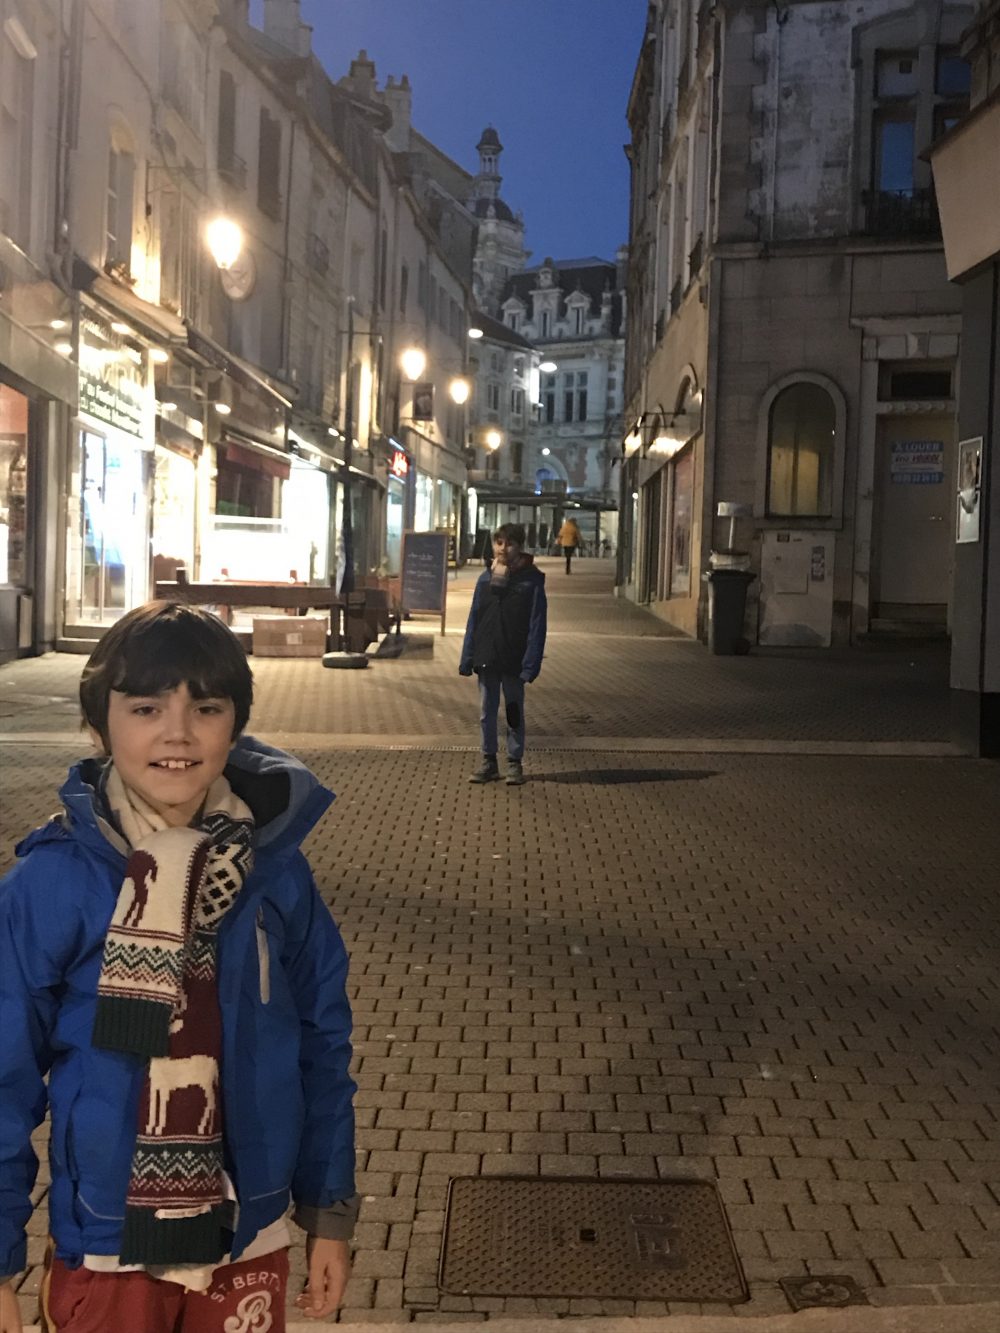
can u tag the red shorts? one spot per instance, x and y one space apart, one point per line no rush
243 1298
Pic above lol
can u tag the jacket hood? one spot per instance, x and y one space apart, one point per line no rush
286 799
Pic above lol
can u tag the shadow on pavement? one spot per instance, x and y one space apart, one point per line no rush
615 777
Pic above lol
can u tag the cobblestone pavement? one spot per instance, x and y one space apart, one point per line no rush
776 970
612 671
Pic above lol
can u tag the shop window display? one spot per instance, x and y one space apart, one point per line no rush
13 486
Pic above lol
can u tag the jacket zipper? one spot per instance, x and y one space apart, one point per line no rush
263 959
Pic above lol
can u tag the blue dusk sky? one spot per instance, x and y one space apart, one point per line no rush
553 77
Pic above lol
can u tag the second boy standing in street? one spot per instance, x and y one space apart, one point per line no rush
504 645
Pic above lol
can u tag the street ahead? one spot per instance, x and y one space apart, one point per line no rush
740 923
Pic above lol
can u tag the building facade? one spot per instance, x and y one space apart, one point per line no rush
38 381
572 312
792 340
166 405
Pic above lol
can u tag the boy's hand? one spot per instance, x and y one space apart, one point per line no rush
329 1269
10 1311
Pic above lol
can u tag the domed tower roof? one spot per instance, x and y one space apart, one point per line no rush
490 139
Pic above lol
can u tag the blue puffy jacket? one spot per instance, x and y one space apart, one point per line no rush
288 1121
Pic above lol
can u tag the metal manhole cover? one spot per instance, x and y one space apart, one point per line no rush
832 1291
664 1240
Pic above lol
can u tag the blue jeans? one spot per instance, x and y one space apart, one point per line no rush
490 685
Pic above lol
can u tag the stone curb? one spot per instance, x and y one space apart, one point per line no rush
855 1319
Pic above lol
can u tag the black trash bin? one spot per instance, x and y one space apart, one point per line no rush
727 604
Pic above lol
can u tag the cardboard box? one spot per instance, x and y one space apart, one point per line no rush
290 636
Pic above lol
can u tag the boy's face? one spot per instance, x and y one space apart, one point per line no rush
170 748
505 550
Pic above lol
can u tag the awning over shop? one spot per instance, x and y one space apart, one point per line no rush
151 321
215 355
258 458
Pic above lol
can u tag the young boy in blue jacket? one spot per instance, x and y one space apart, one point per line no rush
504 645
167 962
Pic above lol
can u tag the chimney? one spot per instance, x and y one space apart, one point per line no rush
361 78
398 97
283 24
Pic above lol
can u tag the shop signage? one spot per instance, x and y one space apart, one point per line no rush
917 463
425 572
400 465
112 375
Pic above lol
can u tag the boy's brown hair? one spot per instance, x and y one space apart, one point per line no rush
514 532
157 647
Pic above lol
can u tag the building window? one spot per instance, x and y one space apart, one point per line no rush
801 447
404 286
231 167
517 402
121 184
546 324
493 397
513 320
917 95
383 268
549 398
516 458
269 165
581 396
422 285
579 320
16 98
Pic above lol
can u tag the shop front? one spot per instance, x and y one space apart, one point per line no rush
38 389
110 481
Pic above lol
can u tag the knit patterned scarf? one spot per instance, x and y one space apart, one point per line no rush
157 998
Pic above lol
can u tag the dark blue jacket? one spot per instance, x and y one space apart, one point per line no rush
288 1121
505 632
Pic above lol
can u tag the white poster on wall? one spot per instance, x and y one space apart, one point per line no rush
970 466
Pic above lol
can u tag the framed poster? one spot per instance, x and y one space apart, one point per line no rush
970 476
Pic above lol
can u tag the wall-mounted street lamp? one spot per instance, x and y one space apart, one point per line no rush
493 439
459 389
548 367
475 332
413 362
224 239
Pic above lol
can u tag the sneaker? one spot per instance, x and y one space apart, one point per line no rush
488 771
515 774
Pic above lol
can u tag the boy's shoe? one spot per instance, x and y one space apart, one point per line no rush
515 773
488 771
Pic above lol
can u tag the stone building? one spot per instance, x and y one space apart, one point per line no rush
792 337
38 380
166 404
572 312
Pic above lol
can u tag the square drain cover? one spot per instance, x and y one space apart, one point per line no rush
663 1240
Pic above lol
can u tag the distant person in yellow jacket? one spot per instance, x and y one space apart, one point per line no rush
569 540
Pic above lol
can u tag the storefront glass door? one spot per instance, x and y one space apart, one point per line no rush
108 555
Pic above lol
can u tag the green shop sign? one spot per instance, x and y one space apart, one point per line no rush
112 375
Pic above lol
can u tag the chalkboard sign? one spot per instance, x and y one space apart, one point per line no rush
425 572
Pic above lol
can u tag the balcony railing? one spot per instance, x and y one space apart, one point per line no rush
676 292
704 23
901 213
317 253
233 171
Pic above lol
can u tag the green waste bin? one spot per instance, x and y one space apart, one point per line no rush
727 605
